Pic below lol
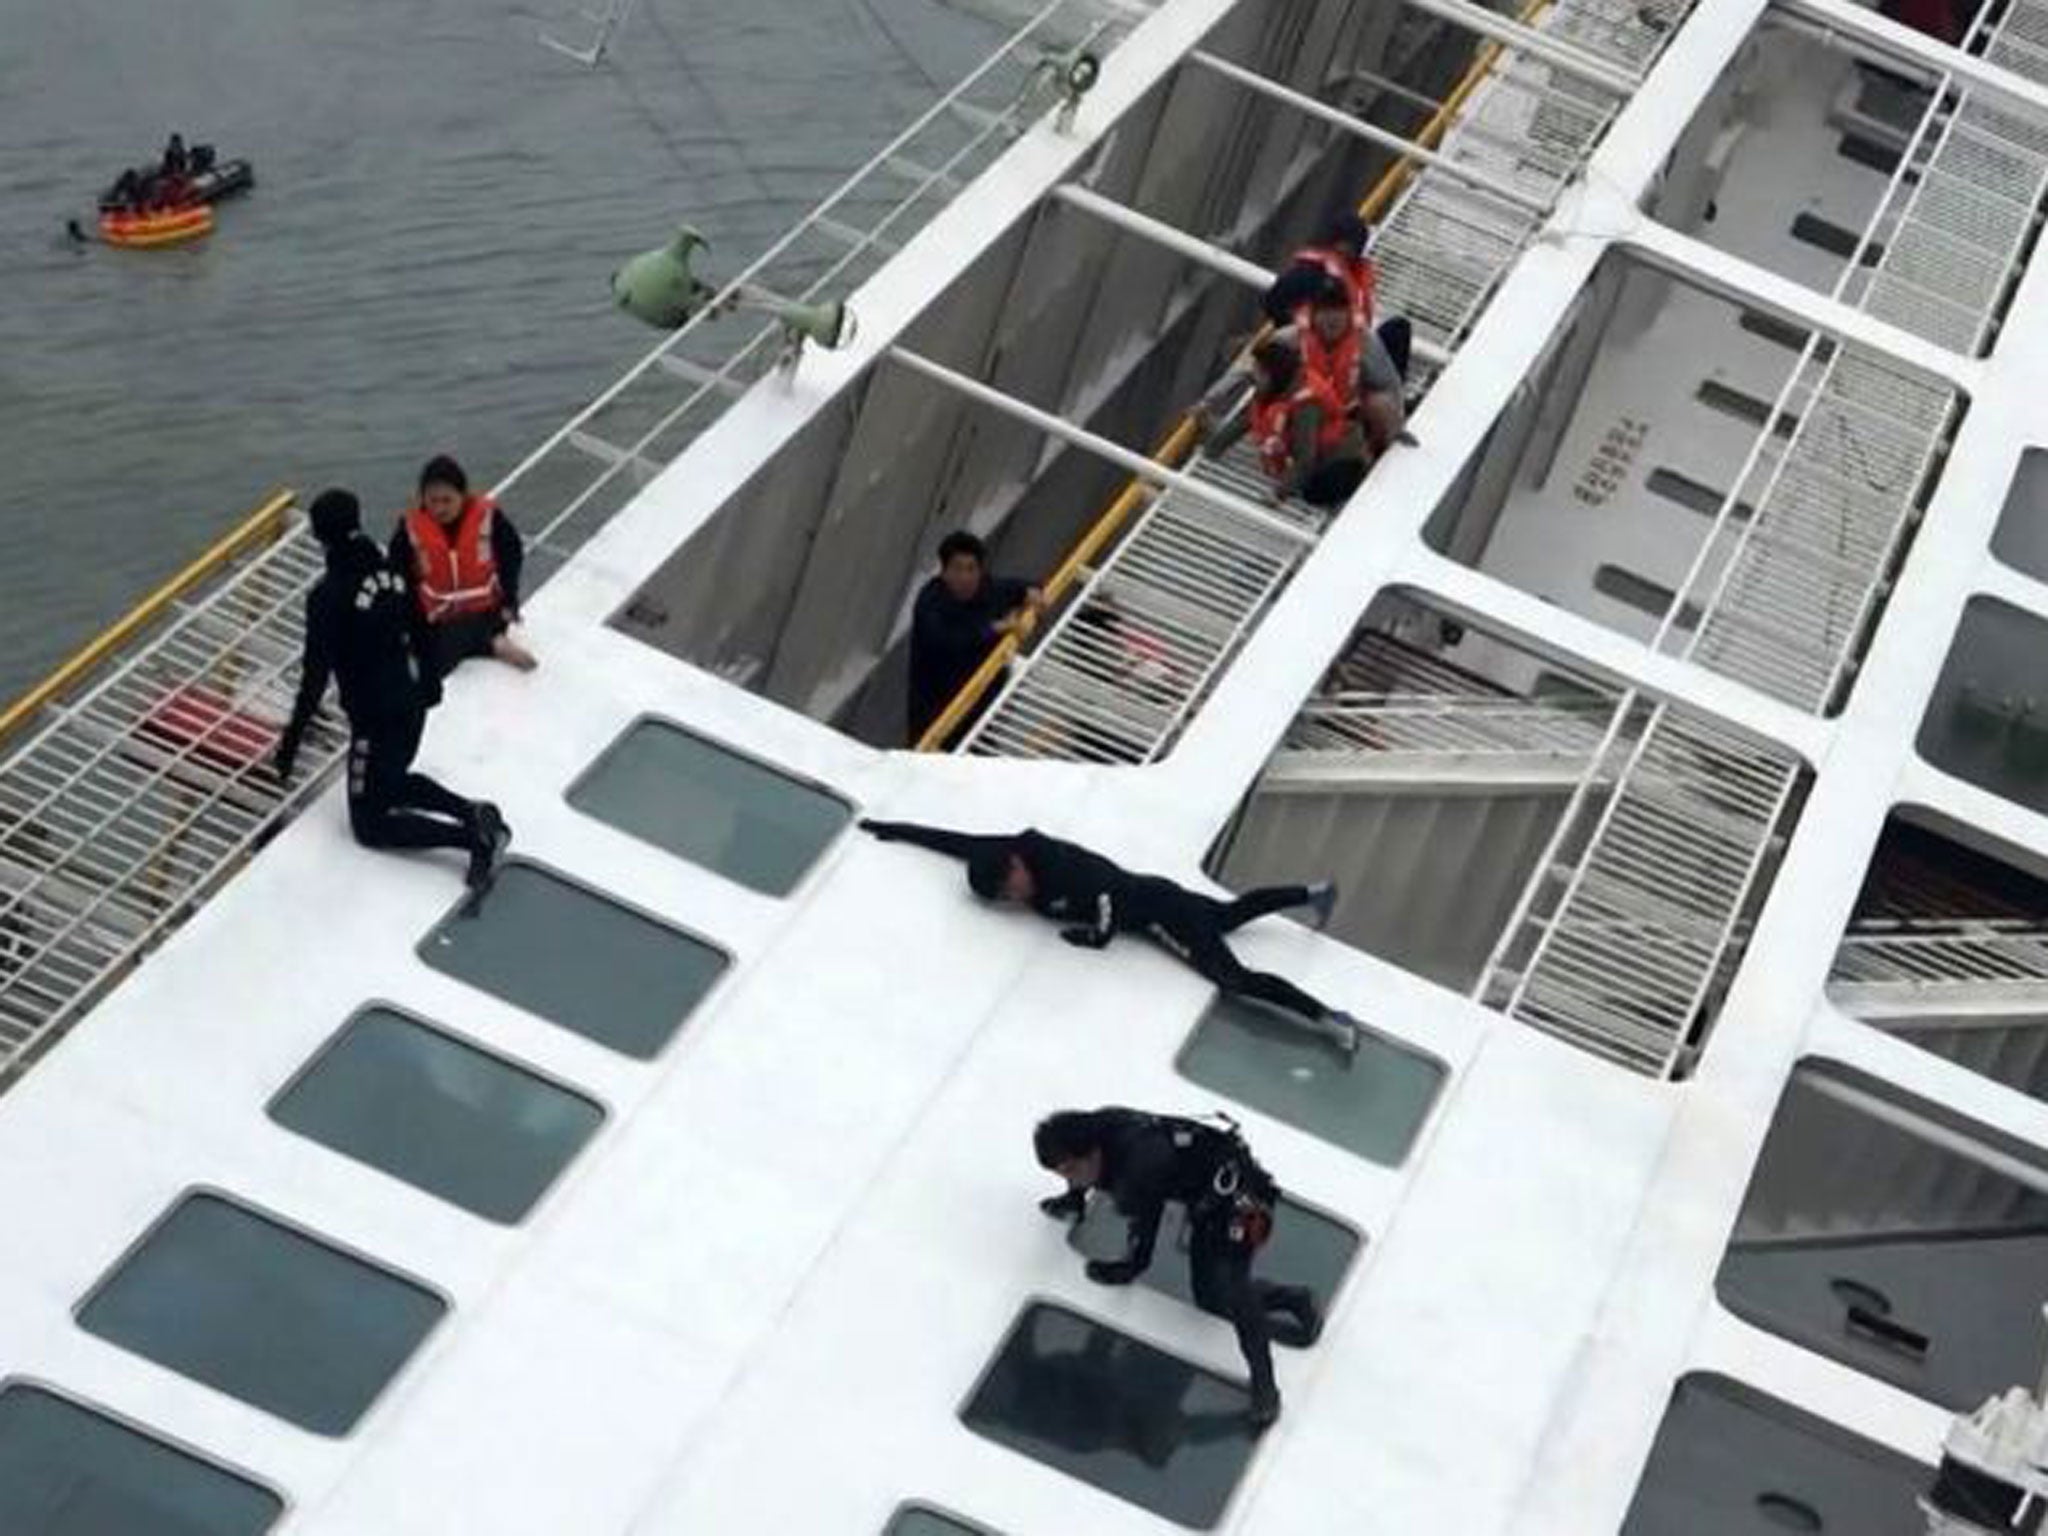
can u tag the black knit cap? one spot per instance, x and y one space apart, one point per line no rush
335 514
443 470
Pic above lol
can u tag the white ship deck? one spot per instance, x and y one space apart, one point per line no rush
758 1299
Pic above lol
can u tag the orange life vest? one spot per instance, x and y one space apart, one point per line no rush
1358 277
1332 368
454 569
1272 425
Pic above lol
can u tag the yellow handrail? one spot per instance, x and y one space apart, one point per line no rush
261 525
1181 439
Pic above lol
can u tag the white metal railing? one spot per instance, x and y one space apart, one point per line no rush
130 803
1170 605
1932 954
604 454
1782 600
1461 724
1119 671
1617 949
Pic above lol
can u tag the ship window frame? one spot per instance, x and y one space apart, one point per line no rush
1038 1300
652 719
729 961
308 1069
1170 1252
1444 1073
303 1230
176 1444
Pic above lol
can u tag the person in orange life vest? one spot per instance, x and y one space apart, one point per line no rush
1341 254
461 557
1334 350
1308 441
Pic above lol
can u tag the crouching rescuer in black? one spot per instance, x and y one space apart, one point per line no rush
1096 900
359 631
1141 1161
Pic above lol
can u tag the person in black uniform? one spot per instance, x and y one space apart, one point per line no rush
359 631
1097 899
959 616
1141 1161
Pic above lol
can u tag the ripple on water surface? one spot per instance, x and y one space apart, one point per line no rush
421 267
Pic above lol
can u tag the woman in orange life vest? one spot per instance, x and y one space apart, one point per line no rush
460 557
1308 441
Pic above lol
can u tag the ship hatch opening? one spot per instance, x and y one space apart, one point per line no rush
1892 1235
1585 856
1869 177
1947 948
1716 481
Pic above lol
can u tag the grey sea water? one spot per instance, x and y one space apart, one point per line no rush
422 266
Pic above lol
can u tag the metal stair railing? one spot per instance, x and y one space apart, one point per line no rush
122 808
1617 950
604 454
1119 669
1118 672
1784 599
1435 724
1934 954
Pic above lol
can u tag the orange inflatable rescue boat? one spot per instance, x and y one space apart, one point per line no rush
143 229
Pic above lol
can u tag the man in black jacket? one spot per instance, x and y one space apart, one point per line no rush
1141 1161
1096 900
959 616
359 631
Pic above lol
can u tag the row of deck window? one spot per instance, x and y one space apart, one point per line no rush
286 1320
277 1316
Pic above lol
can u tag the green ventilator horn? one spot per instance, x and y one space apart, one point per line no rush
659 288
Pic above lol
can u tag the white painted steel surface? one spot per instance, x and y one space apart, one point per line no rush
757 1300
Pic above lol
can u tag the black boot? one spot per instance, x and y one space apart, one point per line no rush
487 852
1265 1408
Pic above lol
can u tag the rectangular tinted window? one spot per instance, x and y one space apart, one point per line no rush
1887 1232
711 806
452 1119
1732 1461
577 959
2022 537
68 1471
1984 722
1117 1413
1306 1248
1372 1105
262 1313
916 1520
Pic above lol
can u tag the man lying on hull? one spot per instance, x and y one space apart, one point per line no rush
1096 900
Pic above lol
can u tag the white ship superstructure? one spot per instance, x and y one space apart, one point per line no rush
1670 714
